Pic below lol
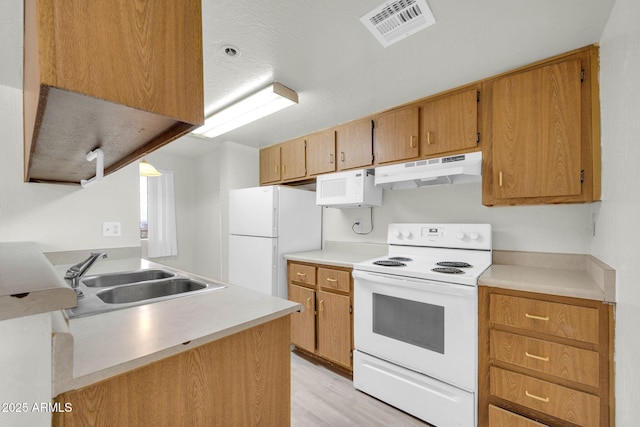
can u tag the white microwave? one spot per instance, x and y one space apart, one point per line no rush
348 189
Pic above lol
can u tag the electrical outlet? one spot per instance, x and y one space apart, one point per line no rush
110 229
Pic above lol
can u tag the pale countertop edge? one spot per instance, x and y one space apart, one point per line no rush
90 349
554 281
340 254
29 283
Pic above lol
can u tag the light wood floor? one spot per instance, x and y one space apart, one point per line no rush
322 397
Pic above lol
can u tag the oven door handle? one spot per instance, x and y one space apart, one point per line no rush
420 284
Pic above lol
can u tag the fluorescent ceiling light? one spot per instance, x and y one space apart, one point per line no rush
272 98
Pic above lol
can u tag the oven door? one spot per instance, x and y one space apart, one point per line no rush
426 326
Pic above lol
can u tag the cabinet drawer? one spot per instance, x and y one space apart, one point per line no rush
561 402
562 320
339 280
302 273
563 361
499 417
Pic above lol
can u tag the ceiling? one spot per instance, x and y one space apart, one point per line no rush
340 71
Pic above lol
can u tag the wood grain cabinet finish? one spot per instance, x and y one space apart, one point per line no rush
354 144
449 123
396 133
270 164
325 328
543 139
498 417
122 76
240 380
293 159
544 358
321 152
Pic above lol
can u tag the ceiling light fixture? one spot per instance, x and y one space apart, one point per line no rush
147 169
266 101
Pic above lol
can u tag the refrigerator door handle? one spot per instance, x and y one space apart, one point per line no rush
274 257
275 219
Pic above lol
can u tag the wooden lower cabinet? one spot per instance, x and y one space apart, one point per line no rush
544 360
324 328
241 380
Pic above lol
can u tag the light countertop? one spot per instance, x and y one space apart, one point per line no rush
340 254
28 282
577 276
89 349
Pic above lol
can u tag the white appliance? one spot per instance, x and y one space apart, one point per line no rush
348 189
264 224
416 321
460 168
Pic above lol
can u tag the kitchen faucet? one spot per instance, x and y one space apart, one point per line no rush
74 273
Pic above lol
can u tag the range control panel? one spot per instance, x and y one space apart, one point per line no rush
462 236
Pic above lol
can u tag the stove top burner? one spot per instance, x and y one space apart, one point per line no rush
390 263
447 270
400 258
457 264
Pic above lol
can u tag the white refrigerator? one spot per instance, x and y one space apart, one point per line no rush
265 223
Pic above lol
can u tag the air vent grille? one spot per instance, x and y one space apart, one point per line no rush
393 21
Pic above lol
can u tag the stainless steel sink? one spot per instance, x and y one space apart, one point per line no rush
125 278
149 290
116 291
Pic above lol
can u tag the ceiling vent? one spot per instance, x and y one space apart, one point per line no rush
395 20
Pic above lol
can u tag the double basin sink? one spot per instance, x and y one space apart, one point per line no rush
114 291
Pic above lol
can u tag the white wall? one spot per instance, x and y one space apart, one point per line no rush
617 236
557 228
60 217
230 166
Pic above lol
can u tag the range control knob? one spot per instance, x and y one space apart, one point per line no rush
474 236
407 234
460 235
397 233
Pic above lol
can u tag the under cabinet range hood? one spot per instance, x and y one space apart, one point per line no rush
456 169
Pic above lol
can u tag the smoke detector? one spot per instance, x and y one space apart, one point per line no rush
395 20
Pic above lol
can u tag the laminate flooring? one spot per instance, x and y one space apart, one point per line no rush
324 398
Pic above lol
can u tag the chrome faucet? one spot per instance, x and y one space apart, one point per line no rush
74 273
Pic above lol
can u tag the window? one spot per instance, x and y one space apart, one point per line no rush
144 211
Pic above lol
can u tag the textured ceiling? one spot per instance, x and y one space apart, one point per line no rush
321 50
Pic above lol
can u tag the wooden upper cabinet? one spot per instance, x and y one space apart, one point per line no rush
321 152
120 75
270 164
449 123
395 135
293 159
544 143
354 144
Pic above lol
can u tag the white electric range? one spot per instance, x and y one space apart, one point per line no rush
415 320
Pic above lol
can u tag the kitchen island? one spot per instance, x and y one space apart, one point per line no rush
218 357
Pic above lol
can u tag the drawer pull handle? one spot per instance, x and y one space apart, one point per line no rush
533 396
329 279
531 316
302 274
533 356
309 303
500 178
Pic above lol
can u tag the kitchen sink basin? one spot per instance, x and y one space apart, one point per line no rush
115 291
116 279
149 290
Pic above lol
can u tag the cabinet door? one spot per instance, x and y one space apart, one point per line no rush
354 142
449 123
334 327
395 134
270 164
293 159
303 324
536 131
321 152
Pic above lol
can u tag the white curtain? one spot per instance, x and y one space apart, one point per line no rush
162 240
